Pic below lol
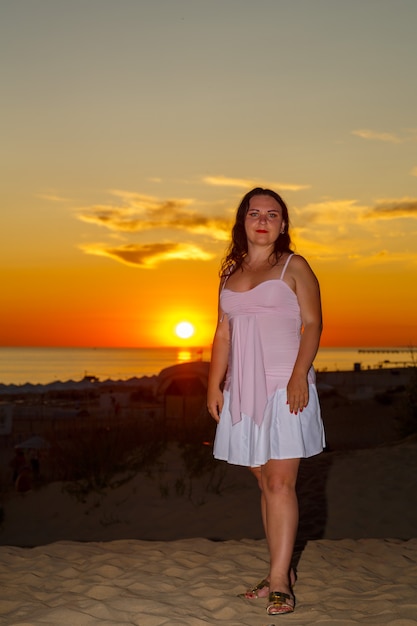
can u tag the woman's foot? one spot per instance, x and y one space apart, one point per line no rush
280 603
261 590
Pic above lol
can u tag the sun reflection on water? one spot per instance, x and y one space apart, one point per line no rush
183 356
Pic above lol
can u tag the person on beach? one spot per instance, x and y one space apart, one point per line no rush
18 464
267 413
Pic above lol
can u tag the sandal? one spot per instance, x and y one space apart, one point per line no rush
252 594
280 603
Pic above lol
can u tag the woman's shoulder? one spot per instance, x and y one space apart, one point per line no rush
300 272
296 260
299 265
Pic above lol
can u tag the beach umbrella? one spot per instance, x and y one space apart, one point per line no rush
33 443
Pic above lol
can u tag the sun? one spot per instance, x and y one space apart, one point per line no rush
184 330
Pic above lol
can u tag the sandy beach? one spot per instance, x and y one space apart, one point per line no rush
170 548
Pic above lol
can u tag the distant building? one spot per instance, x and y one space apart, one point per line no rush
183 390
6 419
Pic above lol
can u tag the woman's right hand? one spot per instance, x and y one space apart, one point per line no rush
215 402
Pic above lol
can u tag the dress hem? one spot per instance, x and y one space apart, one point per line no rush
273 458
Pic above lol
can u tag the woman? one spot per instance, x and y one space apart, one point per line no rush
267 336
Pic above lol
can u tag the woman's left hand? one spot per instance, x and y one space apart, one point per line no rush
297 393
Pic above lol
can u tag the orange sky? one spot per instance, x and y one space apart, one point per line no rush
125 152
109 304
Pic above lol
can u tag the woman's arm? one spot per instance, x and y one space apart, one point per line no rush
308 294
218 366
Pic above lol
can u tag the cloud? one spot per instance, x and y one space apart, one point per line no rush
51 197
156 220
332 211
149 255
138 212
389 257
414 171
366 133
344 213
333 229
247 183
393 209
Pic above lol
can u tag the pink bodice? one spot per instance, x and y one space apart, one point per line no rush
265 331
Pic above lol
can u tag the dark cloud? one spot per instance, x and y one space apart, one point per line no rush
168 219
392 209
144 213
148 255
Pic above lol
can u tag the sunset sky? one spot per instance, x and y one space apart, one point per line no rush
132 128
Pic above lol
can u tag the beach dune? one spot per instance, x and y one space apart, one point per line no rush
170 548
136 557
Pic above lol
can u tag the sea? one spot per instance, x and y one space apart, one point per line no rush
19 366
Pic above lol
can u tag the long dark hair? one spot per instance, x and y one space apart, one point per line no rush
238 248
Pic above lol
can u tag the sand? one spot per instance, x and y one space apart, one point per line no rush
164 549
134 556
196 581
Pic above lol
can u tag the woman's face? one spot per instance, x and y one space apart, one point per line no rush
263 221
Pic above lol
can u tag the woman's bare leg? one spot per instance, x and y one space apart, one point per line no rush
278 480
263 591
257 472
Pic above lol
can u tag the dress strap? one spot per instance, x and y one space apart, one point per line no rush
221 289
284 269
229 273
224 282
